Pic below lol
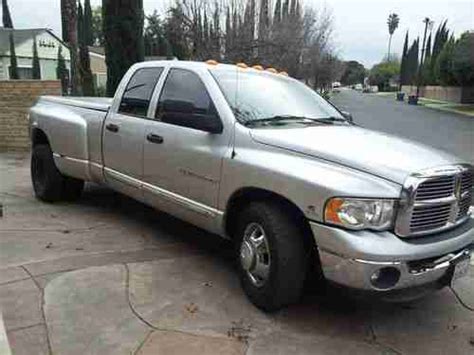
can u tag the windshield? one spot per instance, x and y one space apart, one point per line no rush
257 96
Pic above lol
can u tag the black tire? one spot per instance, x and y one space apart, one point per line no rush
289 257
48 183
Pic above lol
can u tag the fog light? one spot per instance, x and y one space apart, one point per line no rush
385 278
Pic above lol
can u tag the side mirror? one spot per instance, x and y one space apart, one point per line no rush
209 123
347 116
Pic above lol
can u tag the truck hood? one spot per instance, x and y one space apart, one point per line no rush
380 154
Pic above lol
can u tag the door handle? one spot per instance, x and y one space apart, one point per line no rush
154 138
112 127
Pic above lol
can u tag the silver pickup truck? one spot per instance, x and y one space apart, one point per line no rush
260 158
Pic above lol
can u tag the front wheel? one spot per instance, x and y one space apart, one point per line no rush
271 256
48 182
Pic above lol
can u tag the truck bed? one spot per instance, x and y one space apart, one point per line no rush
92 103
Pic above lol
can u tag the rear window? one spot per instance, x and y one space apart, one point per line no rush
137 94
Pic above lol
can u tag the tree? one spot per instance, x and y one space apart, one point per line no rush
426 70
411 67
392 23
6 17
87 79
353 73
403 65
97 32
64 21
462 66
123 32
155 41
88 20
382 73
69 20
443 66
13 60
175 32
36 62
61 71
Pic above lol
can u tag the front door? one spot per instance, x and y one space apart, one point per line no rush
124 133
182 165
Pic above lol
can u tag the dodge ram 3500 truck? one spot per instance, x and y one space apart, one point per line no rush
260 158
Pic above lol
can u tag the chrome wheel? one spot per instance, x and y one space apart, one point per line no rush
255 254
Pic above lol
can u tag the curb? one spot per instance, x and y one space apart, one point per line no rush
4 345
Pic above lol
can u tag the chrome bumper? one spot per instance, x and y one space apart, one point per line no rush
351 258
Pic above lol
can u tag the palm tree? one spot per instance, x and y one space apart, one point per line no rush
392 23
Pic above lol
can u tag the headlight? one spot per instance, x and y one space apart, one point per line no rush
355 213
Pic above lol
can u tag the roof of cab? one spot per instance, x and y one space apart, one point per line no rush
190 64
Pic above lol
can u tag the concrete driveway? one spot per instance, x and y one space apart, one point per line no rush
108 275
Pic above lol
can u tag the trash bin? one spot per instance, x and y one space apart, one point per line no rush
400 96
413 100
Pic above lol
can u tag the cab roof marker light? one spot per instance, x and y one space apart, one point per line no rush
284 73
257 67
272 70
212 62
242 65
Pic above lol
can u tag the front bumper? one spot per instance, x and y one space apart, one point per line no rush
350 258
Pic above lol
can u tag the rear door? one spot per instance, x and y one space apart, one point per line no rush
124 132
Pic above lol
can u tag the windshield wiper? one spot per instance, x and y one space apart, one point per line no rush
280 118
331 119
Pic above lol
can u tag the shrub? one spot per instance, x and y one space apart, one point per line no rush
462 62
381 73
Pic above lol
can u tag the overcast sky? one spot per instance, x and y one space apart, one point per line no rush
360 29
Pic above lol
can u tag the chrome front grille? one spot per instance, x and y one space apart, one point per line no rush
436 188
435 200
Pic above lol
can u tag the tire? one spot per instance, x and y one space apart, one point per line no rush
287 255
48 183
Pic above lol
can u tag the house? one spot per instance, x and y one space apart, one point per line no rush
98 66
48 45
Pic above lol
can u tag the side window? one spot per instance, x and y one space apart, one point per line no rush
137 94
184 100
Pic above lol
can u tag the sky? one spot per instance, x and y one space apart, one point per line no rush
359 26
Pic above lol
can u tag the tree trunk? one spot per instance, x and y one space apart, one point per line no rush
69 15
389 45
123 32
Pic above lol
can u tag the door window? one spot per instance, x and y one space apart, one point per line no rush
137 94
184 100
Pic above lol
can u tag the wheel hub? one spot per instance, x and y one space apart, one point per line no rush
255 254
247 256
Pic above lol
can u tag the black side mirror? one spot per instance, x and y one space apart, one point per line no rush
209 123
347 116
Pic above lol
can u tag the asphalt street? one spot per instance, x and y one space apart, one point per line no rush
451 132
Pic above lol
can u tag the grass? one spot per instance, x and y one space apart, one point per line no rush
465 109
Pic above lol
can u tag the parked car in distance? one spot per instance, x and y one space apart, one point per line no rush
261 159
358 87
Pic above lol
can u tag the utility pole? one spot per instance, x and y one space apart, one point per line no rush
427 23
